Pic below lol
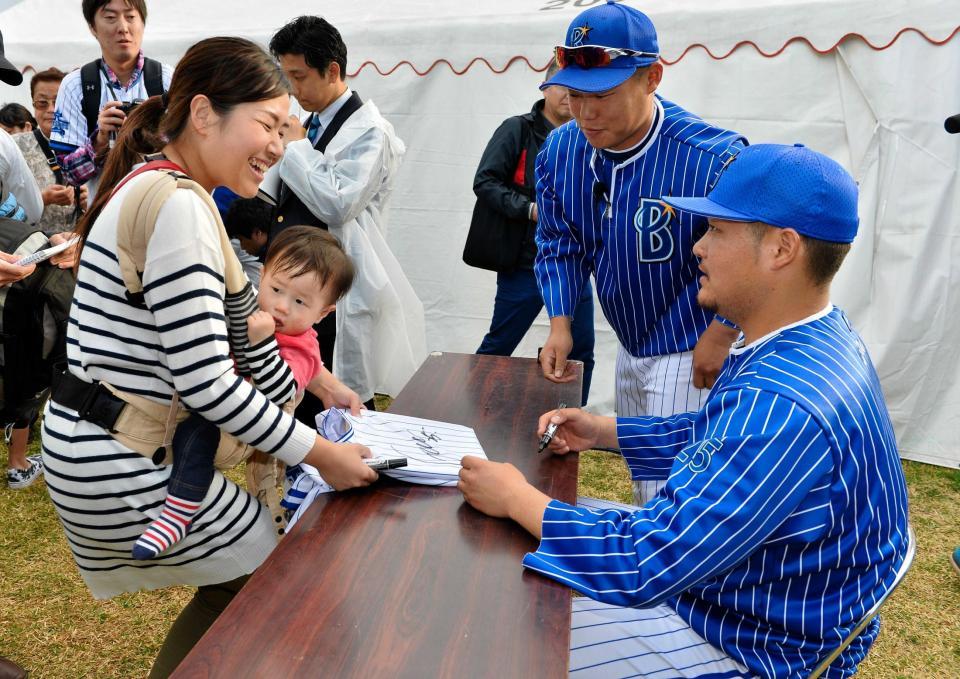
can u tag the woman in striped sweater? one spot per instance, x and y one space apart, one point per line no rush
221 123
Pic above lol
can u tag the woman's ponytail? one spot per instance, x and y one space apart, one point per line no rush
138 136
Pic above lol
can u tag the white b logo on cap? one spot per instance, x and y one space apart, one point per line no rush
579 35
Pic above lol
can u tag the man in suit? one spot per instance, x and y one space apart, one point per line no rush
337 174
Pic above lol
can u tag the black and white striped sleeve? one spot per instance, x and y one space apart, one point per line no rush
271 373
238 307
184 290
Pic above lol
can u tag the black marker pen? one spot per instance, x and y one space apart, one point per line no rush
381 463
550 432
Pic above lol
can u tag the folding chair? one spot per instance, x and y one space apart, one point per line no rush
871 614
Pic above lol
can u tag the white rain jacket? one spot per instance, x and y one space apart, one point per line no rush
380 326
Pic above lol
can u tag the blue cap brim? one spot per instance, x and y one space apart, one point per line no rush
593 80
707 208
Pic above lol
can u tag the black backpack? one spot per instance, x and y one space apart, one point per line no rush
90 87
33 325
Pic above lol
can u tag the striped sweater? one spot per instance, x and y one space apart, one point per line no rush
176 341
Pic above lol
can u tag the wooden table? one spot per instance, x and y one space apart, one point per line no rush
398 580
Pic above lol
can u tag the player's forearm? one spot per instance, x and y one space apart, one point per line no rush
560 271
649 445
561 324
527 507
607 436
720 332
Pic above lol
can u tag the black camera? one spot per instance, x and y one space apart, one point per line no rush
128 106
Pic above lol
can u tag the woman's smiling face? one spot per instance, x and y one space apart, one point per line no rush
247 142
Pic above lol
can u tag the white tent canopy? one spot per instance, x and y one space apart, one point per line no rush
868 82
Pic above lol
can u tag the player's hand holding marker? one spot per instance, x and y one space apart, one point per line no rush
578 430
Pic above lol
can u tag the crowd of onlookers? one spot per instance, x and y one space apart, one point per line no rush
31 178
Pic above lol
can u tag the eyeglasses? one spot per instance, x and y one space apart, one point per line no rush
592 56
41 104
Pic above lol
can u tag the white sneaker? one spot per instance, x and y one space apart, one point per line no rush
22 478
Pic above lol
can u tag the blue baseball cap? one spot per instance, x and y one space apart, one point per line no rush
787 186
612 25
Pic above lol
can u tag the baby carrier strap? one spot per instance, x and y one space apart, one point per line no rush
138 220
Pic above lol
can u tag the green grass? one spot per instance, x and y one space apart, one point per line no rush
50 624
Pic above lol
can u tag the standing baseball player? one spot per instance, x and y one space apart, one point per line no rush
599 188
785 515
505 182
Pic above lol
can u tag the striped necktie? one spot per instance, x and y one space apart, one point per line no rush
313 129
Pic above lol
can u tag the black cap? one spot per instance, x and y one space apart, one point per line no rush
9 73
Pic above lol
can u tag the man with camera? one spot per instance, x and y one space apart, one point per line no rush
94 100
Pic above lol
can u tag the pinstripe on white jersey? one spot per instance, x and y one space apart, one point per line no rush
69 126
654 385
612 641
639 251
785 514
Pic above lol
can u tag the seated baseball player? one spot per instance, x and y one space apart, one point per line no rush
784 517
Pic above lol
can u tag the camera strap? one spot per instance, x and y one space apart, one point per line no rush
90 87
44 145
106 79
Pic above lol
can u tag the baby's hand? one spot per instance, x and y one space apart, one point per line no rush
260 326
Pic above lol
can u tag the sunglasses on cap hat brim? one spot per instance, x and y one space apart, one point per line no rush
595 56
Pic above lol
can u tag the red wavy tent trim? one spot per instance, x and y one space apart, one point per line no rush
668 62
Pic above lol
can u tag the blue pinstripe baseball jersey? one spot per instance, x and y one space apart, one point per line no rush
785 515
638 249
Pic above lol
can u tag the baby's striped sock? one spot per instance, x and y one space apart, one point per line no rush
169 529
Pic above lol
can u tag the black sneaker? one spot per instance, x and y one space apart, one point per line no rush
22 478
